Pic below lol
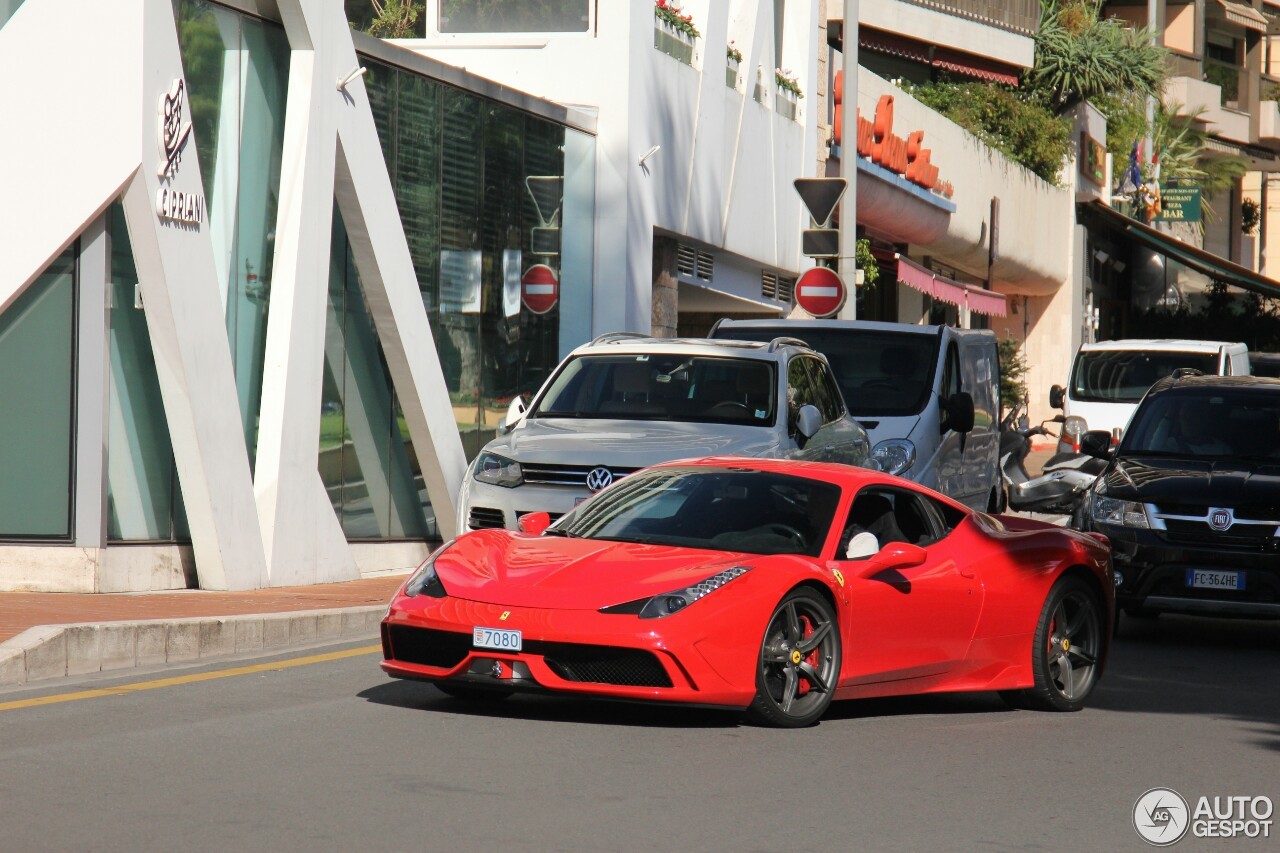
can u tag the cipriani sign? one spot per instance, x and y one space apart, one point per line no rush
175 205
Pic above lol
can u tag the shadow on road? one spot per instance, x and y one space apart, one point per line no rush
1220 668
556 709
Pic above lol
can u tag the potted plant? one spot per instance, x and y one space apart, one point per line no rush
673 31
788 92
732 61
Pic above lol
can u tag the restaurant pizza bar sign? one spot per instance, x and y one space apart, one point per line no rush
1179 204
906 157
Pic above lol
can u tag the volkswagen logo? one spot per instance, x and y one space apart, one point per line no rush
598 478
1220 519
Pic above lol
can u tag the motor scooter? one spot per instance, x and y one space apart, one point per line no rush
1063 486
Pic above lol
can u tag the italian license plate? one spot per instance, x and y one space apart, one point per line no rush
1210 579
499 639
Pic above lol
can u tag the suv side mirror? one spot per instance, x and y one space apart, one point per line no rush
808 422
1096 443
1057 397
959 411
515 412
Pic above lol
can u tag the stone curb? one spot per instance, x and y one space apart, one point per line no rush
55 651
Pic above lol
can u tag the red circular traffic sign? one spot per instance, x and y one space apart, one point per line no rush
820 292
539 288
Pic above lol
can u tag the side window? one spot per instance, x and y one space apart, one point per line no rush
800 390
951 384
946 518
891 515
832 403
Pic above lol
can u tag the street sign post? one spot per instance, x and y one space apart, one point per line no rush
539 288
820 292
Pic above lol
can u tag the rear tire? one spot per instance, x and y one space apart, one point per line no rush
470 693
798 664
1066 650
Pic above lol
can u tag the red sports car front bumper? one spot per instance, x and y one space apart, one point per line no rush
690 657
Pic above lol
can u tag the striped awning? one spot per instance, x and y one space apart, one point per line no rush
976 299
1246 16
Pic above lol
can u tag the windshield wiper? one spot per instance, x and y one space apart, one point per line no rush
551 531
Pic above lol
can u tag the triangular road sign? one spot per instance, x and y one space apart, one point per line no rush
820 195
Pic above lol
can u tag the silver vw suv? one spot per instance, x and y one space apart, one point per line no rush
624 401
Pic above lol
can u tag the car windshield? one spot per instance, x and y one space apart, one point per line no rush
719 509
663 387
1123 376
1237 422
880 374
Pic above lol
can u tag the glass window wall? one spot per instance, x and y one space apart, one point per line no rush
37 354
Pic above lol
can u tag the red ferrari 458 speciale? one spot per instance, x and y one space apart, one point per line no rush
770 586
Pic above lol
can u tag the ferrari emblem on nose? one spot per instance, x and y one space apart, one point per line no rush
599 478
504 615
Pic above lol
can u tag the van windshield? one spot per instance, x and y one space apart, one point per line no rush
1123 376
663 387
880 374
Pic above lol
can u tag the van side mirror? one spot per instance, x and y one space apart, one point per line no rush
1096 443
959 412
1057 397
808 422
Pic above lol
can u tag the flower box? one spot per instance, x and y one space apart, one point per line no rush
674 43
784 103
731 72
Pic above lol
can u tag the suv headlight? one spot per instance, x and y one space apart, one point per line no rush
425 580
497 470
894 455
1120 513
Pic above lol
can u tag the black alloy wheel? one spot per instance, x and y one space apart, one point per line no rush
799 662
1066 651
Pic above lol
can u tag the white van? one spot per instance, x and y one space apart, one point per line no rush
1109 378
928 396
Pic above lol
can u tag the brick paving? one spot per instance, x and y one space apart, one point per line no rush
22 610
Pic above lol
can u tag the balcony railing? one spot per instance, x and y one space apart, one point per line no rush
1182 65
1019 16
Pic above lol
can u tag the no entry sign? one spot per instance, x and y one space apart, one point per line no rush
820 292
539 288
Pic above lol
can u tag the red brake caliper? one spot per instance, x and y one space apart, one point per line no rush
806 630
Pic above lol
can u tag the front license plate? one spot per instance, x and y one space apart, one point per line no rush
500 639
1209 579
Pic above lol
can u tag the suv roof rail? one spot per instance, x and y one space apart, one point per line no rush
1183 372
610 337
787 342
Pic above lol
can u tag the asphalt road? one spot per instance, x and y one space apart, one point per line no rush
335 756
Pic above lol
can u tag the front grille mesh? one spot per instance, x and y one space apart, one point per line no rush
425 646
604 665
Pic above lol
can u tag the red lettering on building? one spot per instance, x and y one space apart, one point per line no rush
907 157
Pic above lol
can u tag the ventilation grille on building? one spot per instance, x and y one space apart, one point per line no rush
694 264
773 287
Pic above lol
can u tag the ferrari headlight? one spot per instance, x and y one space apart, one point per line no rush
894 455
673 602
497 470
425 580
1105 510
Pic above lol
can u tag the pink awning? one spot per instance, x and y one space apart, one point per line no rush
976 299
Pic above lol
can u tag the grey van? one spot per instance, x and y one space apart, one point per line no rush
928 396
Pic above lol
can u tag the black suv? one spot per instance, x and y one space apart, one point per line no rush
1191 498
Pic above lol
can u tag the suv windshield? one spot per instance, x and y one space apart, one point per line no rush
719 509
663 387
1123 376
1207 422
881 374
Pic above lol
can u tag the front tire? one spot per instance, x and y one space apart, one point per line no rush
1066 651
799 662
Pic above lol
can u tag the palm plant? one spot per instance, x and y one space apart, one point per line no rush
1079 57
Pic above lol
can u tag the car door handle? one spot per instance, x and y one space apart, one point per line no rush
965 571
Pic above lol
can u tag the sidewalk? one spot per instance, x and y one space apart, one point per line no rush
47 635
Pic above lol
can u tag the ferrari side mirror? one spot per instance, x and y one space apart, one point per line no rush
534 523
